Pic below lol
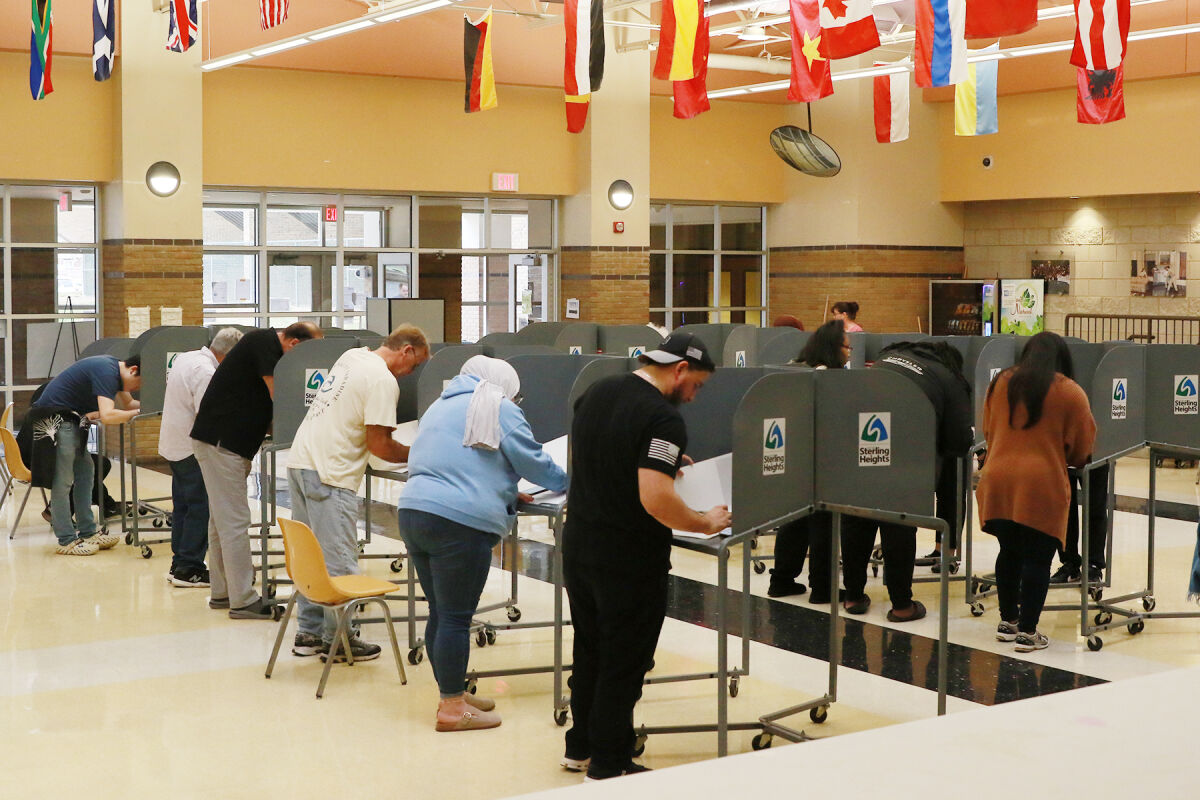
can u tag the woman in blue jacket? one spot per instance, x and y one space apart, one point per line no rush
472 446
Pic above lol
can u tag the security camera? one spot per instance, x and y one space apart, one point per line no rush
987 162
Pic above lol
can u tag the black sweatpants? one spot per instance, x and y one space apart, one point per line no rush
810 536
616 620
899 544
949 498
1022 571
1097 519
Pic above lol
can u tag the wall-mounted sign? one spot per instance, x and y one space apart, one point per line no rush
504 181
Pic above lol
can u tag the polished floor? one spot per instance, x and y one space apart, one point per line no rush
115 684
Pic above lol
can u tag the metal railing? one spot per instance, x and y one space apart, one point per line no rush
1146 329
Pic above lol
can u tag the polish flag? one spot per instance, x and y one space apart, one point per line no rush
1101 33
847 28
891 105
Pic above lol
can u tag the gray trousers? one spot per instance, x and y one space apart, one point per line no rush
231 571
332 514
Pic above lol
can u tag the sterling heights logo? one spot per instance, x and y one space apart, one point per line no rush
1120 399
875 439
739 358
774 446
314 379
1186 401
171 361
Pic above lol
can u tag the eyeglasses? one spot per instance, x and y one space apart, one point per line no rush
517 398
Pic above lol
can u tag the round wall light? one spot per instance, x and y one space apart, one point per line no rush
620 195
162 178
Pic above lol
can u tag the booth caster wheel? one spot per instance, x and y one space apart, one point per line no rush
982 588
976 609
560 717
1103 618
158 522
1096 593
129 538
1148 603
146 551
397 564
472 686
1094 643
1136 627
639 745
514 614
759 567
819 714
481 639
490 635
761 742
733 687
416 656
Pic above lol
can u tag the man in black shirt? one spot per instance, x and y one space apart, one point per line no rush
627 444
231 423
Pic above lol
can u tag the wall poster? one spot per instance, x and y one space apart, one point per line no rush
1161 273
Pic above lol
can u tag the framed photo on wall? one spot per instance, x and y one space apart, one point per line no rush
1056 271
1161 273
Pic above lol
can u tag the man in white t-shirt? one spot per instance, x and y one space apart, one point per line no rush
187 379
353 415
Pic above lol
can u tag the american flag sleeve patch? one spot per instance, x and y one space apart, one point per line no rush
662 450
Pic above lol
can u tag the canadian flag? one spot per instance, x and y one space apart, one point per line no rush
847 28
1101 33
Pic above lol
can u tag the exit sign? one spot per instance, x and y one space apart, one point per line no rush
504 181
331 213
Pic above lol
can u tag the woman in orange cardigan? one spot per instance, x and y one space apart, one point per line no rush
1036 421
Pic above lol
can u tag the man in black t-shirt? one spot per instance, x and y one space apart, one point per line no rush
231 423
627 444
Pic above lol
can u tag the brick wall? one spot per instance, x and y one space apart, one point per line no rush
612 284
890 284
1100 235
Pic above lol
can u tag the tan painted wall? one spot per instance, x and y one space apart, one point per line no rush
1042 151
67 136
268 127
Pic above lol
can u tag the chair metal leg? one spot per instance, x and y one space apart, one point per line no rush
283 623
391 626
347 615
20 511
339 636
7 489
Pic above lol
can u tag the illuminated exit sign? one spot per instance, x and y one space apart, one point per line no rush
504 181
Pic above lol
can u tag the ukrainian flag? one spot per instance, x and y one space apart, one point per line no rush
975 98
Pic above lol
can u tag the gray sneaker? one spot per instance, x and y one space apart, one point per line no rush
1006 631
362 651
256 610
1028 642
307 644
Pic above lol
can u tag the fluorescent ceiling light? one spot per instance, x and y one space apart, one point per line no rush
339 30
719 93
993 56
411 10
225 62
1160 33
773 86
279 47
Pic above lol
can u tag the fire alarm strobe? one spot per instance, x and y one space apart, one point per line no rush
618 227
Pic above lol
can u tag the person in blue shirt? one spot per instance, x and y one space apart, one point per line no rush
472 446
92 389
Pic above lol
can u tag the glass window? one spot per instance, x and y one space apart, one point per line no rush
230 279
358 281
691 280
397 274
658 280
692 227
231 225
50 214
451 223
741 228
47 280
301 281
658 226
249 321
295 227
517 224
35 342
377 221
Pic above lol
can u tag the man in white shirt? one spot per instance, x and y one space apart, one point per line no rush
353 415
187 380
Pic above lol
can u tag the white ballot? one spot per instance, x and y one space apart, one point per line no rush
405 433
139 320
706 484
170 316
557 449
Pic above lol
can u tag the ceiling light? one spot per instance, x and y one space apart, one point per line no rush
1159 33
773 86
411 10
730 92
225 62
279 47
753 33
339 30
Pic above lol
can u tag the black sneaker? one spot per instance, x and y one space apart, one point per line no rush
1095 574
189 577
1065 574
785 588
362 651
631 768
817 599
256 610
928 560
308 644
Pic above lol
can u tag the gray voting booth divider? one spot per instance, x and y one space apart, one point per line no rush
546 382
119 346
713 334
748 346
626 340
579 338
540 333
500 337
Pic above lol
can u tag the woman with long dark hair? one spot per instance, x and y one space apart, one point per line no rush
1037 421
828 347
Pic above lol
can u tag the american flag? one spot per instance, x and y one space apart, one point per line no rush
183 12
272 13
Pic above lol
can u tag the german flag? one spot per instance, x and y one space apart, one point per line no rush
477 61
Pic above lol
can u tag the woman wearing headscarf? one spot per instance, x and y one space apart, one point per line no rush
472 446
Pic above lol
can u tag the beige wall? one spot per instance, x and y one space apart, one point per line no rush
67 136
1042 151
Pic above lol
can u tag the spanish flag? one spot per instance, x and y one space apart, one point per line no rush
677 40
477 61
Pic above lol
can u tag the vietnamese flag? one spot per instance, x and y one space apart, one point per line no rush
847 28
811 78
477 61
991 19
1101 95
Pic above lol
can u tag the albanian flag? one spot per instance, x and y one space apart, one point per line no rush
1101 95
477 61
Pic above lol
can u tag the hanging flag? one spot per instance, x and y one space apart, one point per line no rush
941 48
678 40
991 19
183 26
691 96
272 13
103 31
1101 95
1101 33
847 28
891 105
477 60
41 49
975 98
811 79
584 24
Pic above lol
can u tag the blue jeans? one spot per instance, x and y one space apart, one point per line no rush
189 517
452 562
332 513
72 465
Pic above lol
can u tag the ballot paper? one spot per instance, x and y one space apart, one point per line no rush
556 449
405 433
139 320
706 484
170 316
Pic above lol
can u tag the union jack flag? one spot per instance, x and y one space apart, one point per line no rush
272 13
183 17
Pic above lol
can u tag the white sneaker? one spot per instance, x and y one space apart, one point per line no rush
1006 631
1028 642
104 541
79 547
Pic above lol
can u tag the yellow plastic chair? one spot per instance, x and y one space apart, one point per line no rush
5 422
16 472
343 593
6 417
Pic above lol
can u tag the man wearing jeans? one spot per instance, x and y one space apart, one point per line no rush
354 414
96 388
234 417
187 379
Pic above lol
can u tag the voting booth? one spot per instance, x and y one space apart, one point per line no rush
119 346
540 333
747 346
578 338
626 340
713 334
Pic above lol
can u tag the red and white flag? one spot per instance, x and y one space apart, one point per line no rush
272 13
1101 33
811 78
584 68
847 28
891 105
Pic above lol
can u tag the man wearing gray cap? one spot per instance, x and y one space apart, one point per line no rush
627 444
